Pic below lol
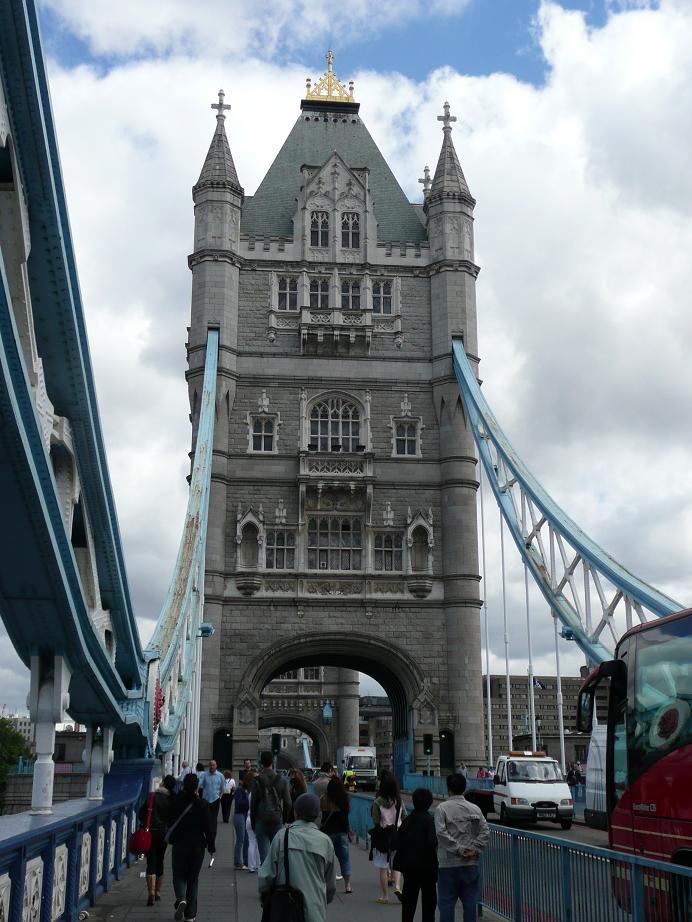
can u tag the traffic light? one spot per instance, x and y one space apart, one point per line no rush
276 743
428 744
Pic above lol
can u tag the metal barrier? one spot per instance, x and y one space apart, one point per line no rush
438 784
529 877
54 866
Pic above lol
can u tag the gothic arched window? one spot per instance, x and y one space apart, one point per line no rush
335 425
249 546
350 295
319 293
419 550
319 229
382 297
350 230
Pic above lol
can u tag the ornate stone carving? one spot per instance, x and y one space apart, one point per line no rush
334 588
246 709
5 893
84 863
280 513
279 585
388 587
111 845
347 466
388 514
100 849
33 887
60 860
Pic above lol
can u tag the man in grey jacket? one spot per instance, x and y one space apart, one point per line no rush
462 834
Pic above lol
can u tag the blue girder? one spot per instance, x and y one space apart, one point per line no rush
527 510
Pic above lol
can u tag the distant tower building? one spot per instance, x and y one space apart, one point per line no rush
342 528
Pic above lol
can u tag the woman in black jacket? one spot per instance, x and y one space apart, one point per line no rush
416 858
160 821
189 834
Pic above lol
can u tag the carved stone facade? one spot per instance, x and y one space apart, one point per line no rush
342 526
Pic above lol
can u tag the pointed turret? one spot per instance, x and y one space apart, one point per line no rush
219 168
449 178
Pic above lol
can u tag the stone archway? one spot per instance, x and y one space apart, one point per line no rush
414 708
299 722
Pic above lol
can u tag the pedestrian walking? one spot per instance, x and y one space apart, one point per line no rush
311 865
247 767
250 850
335 806
388 812
321 779
160 821
190 835
184 770
211 787
462 834
297 785
241 806
227 795
270 805
416 858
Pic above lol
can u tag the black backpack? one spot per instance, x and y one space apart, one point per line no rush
382 837
270 807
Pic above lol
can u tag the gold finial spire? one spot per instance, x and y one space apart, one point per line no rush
329 88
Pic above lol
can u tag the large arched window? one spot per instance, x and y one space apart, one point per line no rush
335 425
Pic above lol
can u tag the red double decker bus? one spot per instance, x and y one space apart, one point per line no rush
649 739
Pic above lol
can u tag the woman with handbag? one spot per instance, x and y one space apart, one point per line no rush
159 803
388 812
335 806
298 878
189 834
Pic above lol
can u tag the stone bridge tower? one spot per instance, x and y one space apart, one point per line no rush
342 526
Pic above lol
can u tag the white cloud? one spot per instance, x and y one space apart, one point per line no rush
583 231
232 26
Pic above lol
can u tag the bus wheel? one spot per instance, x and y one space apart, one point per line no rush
566 824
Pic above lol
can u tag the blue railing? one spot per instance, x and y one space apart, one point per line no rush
528 877
438 784
54 866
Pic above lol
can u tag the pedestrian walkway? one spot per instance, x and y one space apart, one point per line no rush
231 896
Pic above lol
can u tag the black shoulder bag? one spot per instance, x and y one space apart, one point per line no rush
284 903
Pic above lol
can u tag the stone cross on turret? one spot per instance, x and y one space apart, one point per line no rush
425 179
446 118
220 106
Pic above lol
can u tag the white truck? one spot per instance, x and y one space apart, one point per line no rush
361 760
529 786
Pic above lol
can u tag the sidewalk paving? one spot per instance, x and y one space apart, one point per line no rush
231 896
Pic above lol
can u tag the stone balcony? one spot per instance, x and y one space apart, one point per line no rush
333 468
334 326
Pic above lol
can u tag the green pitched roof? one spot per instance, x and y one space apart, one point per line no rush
271 209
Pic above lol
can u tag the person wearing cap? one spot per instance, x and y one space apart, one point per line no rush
311 864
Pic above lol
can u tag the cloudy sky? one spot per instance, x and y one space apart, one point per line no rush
575 136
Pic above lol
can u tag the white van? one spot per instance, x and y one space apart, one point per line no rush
595 812
529 786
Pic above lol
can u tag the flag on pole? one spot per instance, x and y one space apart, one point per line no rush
538 684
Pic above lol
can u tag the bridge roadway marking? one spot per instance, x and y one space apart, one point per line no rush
231 896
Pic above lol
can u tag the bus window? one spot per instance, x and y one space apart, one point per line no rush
620 779
662 713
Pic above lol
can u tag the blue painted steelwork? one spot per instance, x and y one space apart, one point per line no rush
529 876
307 759
61 863
175 637
529 512
438 783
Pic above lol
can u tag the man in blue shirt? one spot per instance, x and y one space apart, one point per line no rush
211 785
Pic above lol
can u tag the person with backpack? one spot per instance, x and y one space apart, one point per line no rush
241 805
416 858
299 868
270 804
388 812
